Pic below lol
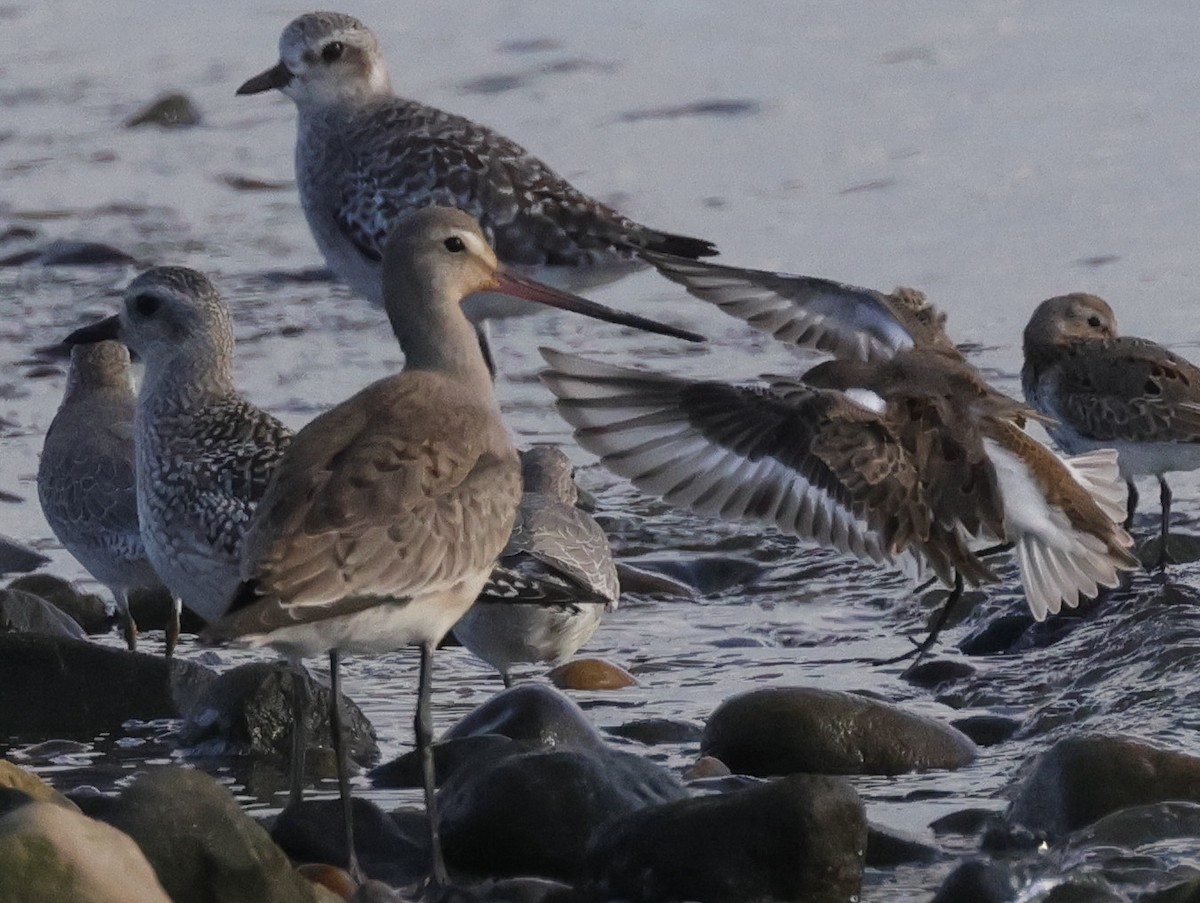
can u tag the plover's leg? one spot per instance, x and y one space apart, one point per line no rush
299 732
920 649
128 627
1131 504
173 625
1164 497
507 678
343 766
423 728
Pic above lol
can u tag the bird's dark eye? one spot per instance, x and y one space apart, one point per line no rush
333 51
146 305
1094 321
454 244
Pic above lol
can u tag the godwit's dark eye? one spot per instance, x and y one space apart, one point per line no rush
333 51
454 244
1094 321
146 305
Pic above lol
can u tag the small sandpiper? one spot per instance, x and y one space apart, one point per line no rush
898 452
387 513
1102 390
204 454
554 578
365 158
87 482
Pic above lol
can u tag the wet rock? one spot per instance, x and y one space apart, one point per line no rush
66 252
888 848
13 777
724 108
707 575
448 756
516 890
17 558
935 673
313 832
50 853
1083 892
639 581
248 710
706 767
1182 548
86 609
533 814
1081 779
800 838
1186 892
1136 827
169 111
1001 634
590 674
83 689
986 730
202 845
532 713
964 821
784 730
653 731
249 183
25 613
978 881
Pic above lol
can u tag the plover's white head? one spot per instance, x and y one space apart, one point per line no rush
1070 318
325 58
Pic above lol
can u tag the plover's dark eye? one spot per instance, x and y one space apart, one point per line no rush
454 244
1094 321
146 305
333 51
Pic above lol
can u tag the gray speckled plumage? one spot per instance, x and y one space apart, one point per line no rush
365 158
204 455
86 479
554 578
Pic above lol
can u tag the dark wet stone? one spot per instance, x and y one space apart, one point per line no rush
533 814
784 730
1083 892
529 45
1182 548
305 276
724 108
448 757
77 689
639 581
800 838
888 848
653 731
707 768
964 821
249 183
17 233
533 713
987 730
1186 892
86 609
1081 779
170 111
313 832
998 635
248 710
64 253
938 672
977 881
707 575
16 558
514 890
1137 826
590 674
154 609
201 844
22 612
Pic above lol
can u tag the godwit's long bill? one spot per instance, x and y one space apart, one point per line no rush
1102 390
897 453
387 513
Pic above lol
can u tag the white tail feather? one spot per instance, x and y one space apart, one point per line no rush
1099 474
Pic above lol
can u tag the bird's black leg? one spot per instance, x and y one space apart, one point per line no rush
1131 504
919 649
423 727
343 765
1164 496
299 733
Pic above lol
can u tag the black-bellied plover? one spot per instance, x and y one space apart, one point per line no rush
554 579
1102 390
365 158
387 513
898 452
204 454
87 483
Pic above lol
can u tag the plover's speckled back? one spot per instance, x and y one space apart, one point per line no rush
365 158
1103 390
204 454
898 452
554 578
86 480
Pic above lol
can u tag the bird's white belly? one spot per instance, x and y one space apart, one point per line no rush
504 634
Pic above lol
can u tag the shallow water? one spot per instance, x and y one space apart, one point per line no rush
989 153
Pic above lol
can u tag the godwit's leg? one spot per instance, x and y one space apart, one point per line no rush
299 732
128 626
173 625
920 649
1164 496
423 727
343 766
1131 503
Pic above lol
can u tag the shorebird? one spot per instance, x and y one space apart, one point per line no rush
87 482
203 453
1102 390
897 453
386 514
365 158
554 579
